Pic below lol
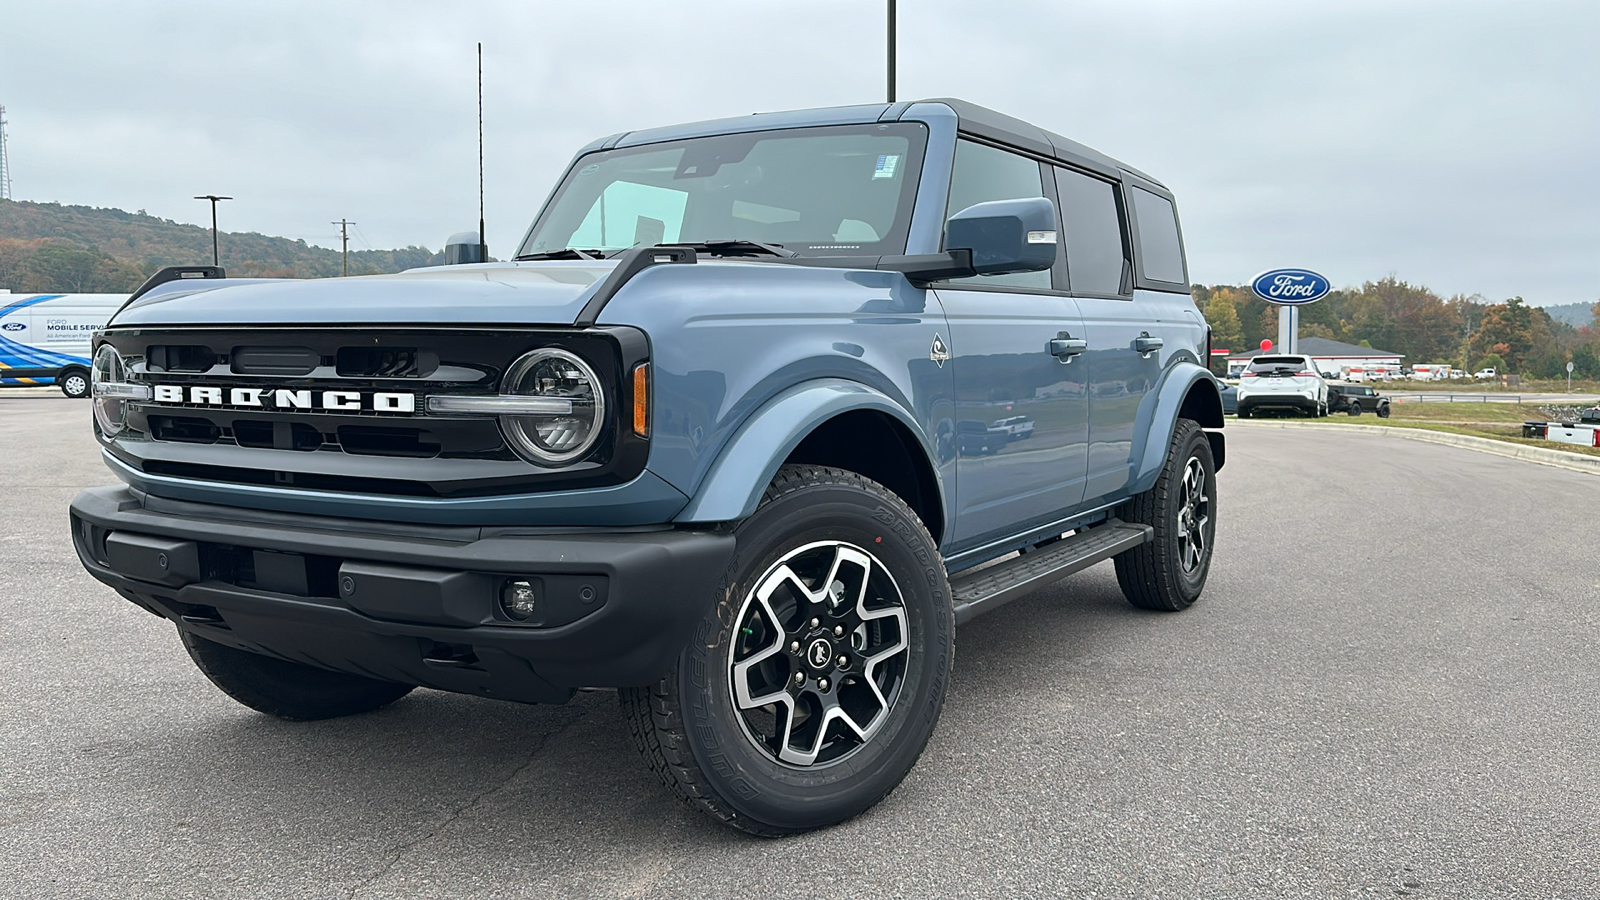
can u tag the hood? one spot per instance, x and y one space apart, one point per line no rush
533 293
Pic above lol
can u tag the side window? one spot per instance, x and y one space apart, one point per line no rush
982 174
628 214
1160 256
1096 258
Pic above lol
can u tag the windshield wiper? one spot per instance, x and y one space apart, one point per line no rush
563 253
736 247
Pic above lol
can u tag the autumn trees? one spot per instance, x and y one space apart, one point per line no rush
1393 315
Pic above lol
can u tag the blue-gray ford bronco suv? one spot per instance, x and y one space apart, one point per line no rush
762 410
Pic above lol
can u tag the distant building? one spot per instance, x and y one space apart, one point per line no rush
1331 357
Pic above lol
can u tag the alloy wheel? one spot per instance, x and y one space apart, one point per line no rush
1194 516
819 653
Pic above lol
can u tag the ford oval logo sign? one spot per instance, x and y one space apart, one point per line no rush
12 326
1290 287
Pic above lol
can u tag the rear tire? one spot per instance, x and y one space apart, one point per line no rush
74 383
285 689
1355 409
816 678
1169 572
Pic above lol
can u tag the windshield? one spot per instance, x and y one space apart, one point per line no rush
816 191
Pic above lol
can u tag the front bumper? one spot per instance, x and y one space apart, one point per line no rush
409 603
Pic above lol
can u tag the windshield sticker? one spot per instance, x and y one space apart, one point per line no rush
590 169
887 163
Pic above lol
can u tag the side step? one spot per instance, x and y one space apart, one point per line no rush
985 589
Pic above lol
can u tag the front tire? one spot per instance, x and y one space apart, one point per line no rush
285 689
814 683
1169 571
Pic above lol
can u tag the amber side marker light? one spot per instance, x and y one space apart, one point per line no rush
641 400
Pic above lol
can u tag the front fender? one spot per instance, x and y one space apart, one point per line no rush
733 485
1176 399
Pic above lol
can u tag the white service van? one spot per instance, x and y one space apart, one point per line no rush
44 338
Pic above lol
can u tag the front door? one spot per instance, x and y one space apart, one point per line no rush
1021 394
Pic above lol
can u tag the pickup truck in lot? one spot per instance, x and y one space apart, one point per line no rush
1585 431
717 438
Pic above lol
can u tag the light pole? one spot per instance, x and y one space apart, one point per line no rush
216 257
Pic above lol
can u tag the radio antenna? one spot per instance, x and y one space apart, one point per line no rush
483 244
891 51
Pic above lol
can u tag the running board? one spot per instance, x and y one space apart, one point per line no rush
983 590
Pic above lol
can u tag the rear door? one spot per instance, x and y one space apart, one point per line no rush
1001 329
1117 325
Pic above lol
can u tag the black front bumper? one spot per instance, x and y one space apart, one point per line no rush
410 603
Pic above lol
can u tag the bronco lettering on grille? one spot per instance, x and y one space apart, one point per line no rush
280 398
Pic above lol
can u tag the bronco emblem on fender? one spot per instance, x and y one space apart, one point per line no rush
939 353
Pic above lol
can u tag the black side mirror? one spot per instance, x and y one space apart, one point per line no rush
1005 235
465 247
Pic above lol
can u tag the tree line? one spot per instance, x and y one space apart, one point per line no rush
1390 314
51 248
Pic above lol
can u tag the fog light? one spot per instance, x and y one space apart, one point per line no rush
518 599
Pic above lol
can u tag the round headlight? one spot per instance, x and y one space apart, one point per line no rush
110 410
554 439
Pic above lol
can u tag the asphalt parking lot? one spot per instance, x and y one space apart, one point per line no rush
1389 689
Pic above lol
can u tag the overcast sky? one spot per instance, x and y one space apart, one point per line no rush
1452 144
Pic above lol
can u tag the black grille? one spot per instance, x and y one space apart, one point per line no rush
276 435
184 429
214 435
275 361
180 358
386 362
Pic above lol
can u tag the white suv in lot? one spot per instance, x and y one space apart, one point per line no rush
1282 381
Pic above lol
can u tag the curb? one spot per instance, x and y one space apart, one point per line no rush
1576 462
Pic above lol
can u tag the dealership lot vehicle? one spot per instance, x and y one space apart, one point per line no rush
1355 399
1584 432
1230 399
45 338
1282 382
703 441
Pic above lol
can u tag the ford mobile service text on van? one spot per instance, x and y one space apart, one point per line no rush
45 338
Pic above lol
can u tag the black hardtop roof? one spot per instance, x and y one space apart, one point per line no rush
987 123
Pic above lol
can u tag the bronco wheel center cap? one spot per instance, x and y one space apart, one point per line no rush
820 653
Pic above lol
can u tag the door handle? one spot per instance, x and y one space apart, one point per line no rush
1145 344
1064 347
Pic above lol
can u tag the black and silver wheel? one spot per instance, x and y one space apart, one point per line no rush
74 383
285 689
1169 572
819 653
813 686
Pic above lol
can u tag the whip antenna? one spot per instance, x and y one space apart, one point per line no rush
483 244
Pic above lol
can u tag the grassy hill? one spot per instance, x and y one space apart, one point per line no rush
47 247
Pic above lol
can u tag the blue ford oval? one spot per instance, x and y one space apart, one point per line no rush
1290 287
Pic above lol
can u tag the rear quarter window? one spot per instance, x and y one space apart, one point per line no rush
1160 252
